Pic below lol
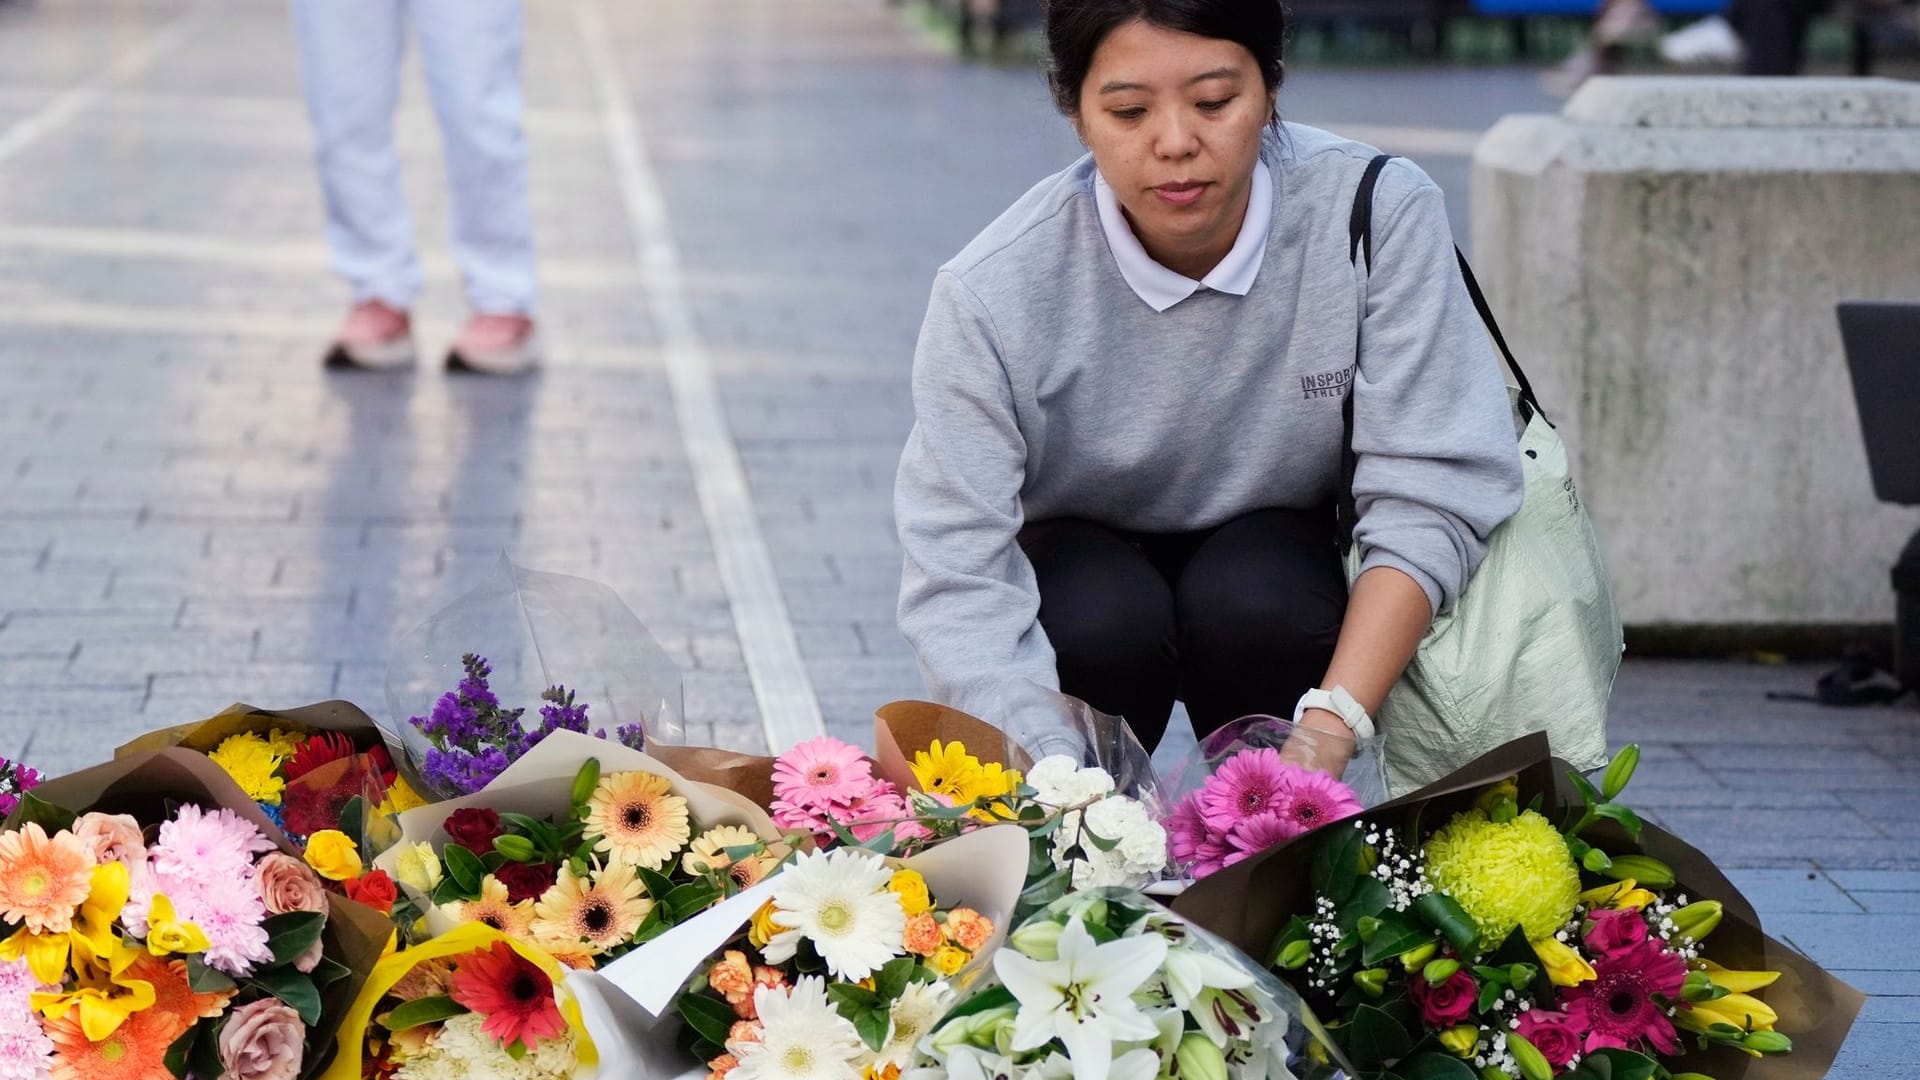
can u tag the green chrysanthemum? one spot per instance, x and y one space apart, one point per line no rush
1505 875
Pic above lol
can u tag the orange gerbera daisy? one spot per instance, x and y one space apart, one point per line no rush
595 914
637 821
173 997
136 1050
43 878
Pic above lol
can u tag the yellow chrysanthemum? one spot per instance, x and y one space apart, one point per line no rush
400 798
252 763
946 770
284 744
1505 875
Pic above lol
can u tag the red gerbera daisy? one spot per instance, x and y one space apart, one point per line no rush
514 995
318 750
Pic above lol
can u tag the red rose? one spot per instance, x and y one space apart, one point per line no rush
1551 1034
1445 1005
526 881
374 889
474 828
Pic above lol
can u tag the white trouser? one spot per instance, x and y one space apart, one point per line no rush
350 53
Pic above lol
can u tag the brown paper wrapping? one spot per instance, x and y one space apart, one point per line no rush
750 775
147 784
205 735
903 728
1251 902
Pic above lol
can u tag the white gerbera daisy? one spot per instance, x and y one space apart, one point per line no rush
920 1007
839 902
802 1037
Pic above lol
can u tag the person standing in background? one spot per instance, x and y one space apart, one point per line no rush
350 58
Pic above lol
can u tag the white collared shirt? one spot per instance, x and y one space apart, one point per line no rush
1162 288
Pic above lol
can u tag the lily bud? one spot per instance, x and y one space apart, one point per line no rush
515 847
1439 971
1697 919
1596 861
1505 792
1415 959
585 781
1366 926
1620 770
1699 987
1691 1076
1040 940
1295 955
1197 1058
1766 1042
1648 871
1519 975
1372 982
1461 1041
1533 1064
1564 966
1492 1073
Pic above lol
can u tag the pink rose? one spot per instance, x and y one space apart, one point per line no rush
112 838
1616 932
1551 1034
262 1040
1445 1005
286 884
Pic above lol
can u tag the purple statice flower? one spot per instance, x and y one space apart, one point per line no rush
632 736
474 739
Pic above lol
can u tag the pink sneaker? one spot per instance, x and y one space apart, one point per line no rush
496 345
375 337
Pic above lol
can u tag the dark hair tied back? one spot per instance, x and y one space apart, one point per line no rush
1075 29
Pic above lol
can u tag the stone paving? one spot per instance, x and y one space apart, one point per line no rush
191 512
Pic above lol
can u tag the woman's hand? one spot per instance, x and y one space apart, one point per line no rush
1321 742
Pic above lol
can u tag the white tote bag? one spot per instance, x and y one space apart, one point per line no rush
1533 642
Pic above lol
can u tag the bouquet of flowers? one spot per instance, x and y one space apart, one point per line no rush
1461 932
1107 983
1258 783
582 847
518 637
470 1003
163 926
16 779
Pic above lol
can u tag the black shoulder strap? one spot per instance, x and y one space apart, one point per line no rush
1359 242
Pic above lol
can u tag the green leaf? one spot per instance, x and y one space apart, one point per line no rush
1398 932
657 884
543 835
353 819
852 1000
294 933
1435 1066
449 890
710 1017
177 1051
691 899
1368 900
882 842
1376 1038
1100 843
328 972
204 1058
652 926
1626 1065
1587 791
205 980
1444 913
517 1050
1628 820
894 976
295 990
874 1026
464 867
1336 864
426 1010
38 810
991 998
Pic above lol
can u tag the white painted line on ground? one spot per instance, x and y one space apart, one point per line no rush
789 710
1412 141
128 65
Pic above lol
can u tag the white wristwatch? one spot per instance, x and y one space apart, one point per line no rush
1340 703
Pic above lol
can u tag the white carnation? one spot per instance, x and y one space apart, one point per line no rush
1058 781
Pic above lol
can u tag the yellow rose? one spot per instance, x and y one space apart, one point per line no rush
762 929
911 888
1461 1041
418 866
947 959
333 855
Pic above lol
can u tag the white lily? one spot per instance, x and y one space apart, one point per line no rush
1085 998
1190 973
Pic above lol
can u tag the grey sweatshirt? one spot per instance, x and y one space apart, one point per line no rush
1044 387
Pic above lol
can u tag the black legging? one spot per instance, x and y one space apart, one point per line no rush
1234 620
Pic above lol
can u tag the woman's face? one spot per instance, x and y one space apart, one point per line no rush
1174 121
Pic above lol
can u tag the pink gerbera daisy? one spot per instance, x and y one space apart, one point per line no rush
1618 1008
1260 832
1315 799
1249 783
822 771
